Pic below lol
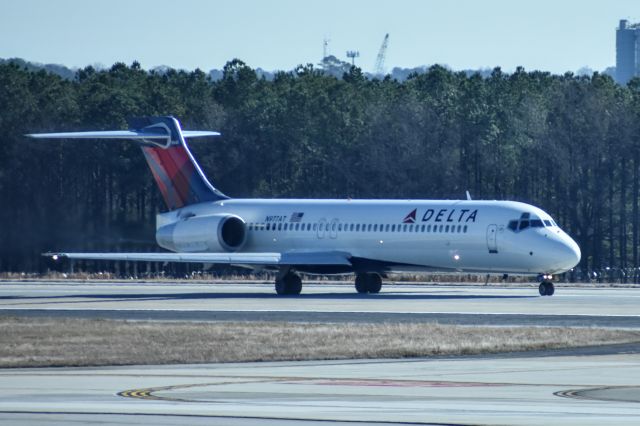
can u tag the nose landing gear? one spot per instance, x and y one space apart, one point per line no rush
546 288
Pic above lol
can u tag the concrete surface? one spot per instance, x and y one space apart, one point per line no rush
591 390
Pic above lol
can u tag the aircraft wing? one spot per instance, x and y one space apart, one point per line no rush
287 258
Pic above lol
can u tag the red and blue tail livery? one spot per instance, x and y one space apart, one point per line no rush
174 169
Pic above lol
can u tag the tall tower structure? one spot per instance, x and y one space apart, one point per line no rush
627 51
353 54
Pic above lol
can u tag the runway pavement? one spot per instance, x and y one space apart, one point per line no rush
591 390
576 386
471 305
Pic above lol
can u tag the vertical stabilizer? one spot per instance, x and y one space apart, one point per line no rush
174 169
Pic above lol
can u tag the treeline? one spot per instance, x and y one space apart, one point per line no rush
568 144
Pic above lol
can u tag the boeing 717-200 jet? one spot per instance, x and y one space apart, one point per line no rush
370 238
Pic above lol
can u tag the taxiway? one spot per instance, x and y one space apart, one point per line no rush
507 391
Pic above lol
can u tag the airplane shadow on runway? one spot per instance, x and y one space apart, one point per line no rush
122 297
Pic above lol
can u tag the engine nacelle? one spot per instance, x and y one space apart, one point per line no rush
216 233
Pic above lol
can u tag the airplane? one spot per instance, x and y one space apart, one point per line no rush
368 238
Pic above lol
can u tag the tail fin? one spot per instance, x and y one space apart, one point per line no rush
174 169
176 172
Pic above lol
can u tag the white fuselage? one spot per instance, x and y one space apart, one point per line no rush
402 235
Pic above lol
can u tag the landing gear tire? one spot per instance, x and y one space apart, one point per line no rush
375 283
361 283
290 284
368 283
546 288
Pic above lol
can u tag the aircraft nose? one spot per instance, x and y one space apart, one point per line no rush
572 252
567 253
560 254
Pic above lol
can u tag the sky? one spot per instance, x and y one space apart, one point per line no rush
548 35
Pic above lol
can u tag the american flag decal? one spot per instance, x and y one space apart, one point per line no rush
296 217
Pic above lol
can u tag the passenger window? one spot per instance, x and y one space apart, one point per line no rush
422 228
286 226
268 226
393 228
428 228
459 228
446 228
328 226
279 227
339 227
465 229
315 226
369 228
375 227
404 228
357 227
440 228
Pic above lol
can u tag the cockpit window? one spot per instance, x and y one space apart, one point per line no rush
528 220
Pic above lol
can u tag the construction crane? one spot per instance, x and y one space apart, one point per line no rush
378 68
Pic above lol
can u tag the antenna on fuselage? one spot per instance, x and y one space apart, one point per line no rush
468 195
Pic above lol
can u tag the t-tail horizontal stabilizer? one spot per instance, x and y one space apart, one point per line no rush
178 175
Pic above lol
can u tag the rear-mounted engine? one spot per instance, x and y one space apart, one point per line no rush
216 233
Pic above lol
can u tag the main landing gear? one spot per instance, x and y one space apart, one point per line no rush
289 283
546 288
368 283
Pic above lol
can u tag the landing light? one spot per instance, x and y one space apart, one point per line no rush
456 257
54 257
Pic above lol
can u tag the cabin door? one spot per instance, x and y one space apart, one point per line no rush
492 238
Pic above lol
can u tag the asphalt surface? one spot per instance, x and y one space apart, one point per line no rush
465 305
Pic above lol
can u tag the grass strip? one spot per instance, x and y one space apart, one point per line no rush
46 342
